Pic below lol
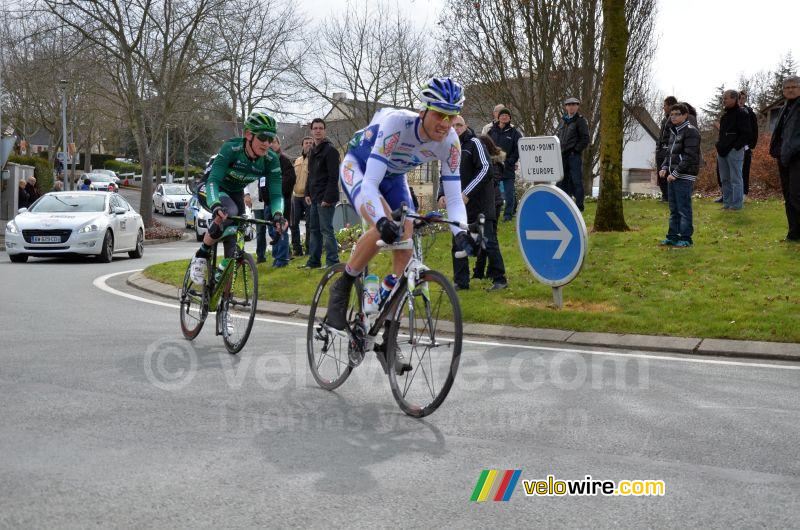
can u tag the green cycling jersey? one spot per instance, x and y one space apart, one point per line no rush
233 170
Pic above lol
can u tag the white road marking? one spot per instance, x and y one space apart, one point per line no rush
100 283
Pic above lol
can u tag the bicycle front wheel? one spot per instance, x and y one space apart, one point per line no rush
237 307
426 332
194 306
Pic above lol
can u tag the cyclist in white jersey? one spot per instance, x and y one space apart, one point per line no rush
373 175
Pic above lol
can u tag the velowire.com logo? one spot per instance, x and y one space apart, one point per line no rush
496 485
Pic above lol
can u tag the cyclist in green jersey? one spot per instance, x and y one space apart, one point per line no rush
240 161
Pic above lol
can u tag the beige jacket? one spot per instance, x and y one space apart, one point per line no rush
301 170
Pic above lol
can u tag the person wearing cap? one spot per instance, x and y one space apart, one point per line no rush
488 127
573 133
506 136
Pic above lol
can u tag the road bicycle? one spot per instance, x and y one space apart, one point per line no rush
232 292
420 319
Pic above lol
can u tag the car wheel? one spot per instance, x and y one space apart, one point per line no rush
197 233
139 251
18 258
107 253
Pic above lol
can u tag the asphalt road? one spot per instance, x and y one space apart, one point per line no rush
110 418
134 196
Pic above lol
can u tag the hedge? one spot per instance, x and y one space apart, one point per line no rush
43 170
123 167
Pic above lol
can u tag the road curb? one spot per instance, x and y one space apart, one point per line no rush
762 350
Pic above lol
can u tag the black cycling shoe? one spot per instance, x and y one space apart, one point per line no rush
337 302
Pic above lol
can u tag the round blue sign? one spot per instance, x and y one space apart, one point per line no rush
552 235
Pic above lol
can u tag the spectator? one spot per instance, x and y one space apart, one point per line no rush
59 167
253 198
299 206
488 126
322 194
505 136
573 133
751 142
785 147
87 185
734 133
662 148
478 195
680 168
280 237
58 186
23 201
495 259
32 189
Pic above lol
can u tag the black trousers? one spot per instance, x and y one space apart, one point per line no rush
748 157
496 270
790 185
299 213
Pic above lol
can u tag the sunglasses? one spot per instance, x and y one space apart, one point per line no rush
265 136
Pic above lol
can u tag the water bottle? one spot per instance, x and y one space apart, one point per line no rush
371 294
220 269
386 287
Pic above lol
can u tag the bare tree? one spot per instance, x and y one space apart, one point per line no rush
255 60
368 52
150 52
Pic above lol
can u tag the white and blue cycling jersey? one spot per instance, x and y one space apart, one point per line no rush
380 155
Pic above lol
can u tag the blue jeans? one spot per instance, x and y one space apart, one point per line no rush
679 192
572 183
508 196
730 173
320 231
261 235
280 249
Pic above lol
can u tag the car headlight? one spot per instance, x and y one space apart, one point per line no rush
11 227
88 228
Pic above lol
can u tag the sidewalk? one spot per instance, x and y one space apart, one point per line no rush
781 351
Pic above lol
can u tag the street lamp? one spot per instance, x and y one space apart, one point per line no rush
63 86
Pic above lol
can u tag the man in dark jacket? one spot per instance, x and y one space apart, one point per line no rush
734 133
680 168
477 191
22 195
751 142
322 194
785 147
662 147
573 133
505 136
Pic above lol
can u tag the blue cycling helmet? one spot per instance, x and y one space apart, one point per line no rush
442 94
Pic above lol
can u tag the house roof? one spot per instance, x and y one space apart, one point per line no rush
644 118
773 105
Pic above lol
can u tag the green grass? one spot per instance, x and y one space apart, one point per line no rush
739 281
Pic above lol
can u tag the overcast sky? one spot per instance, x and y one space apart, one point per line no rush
701 43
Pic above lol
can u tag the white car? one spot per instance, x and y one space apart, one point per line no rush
101 182
76 222
199 218
170 198
110 173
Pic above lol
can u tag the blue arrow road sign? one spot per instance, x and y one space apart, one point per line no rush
552 235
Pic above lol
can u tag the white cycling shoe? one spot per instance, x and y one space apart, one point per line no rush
197 270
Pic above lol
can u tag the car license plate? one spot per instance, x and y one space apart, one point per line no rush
46 239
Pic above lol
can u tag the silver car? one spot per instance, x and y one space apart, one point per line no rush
170 198
76 222
101 182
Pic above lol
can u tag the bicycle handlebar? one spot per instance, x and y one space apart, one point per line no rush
244 220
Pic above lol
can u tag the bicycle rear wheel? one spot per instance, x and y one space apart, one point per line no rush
194 306
237 306
426 330
328 353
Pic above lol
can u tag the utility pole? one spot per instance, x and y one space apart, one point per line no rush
166 156
63 85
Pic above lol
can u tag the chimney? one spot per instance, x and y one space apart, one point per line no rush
339 96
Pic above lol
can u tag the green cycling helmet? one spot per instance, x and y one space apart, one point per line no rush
258 122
